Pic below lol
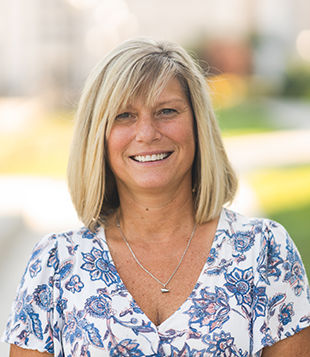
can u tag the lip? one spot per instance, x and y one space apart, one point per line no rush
148 153
144 153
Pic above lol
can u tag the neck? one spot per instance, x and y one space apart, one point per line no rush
158 217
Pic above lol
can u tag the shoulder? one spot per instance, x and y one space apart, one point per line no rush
79 234
260 227
262 241
239 220
276 260
56 250
69 240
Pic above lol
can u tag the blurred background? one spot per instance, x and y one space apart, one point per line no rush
256 54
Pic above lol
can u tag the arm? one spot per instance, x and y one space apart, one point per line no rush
297 345
16 351
33 305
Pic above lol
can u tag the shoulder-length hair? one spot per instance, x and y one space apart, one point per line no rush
140 68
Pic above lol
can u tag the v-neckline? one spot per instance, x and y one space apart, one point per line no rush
160 327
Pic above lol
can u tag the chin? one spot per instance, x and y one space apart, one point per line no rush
151 186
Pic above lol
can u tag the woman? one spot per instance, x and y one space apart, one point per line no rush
161 269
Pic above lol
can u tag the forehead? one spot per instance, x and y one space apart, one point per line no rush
168 91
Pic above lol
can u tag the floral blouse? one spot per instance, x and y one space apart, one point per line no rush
251 293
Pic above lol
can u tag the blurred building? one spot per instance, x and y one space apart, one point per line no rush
49 46
40 46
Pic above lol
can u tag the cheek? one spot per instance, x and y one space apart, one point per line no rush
116 142
186 137
113 149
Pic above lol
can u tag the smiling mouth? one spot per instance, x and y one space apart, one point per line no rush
150 158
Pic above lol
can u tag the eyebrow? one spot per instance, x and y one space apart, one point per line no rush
166 102
172 100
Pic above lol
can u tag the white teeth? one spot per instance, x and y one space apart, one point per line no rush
148 158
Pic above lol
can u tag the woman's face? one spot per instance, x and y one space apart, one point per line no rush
153 147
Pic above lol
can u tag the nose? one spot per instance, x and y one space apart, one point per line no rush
147 129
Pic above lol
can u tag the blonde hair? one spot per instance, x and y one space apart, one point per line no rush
141 68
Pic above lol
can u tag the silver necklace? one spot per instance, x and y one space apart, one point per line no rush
164 289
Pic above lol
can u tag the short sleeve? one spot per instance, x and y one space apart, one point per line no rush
30 324
281 299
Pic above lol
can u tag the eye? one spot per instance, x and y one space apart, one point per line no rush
167 111
123 116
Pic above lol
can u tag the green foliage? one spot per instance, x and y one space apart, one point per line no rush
297 82
248 117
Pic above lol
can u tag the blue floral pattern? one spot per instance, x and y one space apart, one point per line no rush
42 295
240 284
210 309
98 307
99 265
251 293
73 328
75 284
295 275
269 258
260 301
222 345
286 313
126 348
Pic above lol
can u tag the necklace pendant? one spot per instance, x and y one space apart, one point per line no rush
164 290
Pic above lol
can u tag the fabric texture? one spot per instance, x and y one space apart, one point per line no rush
251 293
